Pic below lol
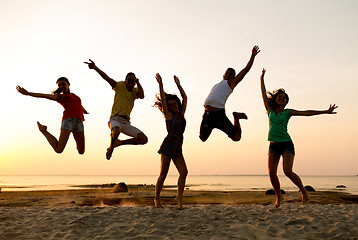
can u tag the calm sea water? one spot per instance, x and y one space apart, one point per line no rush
196 182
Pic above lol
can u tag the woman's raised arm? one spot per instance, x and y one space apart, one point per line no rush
264 92
182 93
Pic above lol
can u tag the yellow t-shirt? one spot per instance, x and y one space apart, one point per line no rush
123 100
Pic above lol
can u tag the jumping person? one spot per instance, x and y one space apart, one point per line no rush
280 141
72 120
125 95
214 115
171 149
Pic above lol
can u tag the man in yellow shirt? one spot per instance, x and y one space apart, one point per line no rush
124 97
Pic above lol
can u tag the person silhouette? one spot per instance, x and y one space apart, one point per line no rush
171 149
280 141
72 120
125 95
214 115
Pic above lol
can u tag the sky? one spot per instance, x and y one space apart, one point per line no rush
309 48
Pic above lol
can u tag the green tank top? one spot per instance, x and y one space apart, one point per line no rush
278 126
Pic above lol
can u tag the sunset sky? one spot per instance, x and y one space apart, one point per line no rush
309 48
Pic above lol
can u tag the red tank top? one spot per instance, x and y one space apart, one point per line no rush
72 104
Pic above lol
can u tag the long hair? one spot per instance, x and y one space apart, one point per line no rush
273 95
58 91
168 97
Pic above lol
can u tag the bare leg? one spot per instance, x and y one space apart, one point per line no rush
164 168
183 172
114 137
139 140
80 141
287 168
237 117
59 145
273 161
115 142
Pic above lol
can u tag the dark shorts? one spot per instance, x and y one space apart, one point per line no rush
216 119
279 148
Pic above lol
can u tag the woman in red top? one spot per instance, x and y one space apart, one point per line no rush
72 120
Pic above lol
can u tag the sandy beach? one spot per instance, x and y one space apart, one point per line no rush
97 213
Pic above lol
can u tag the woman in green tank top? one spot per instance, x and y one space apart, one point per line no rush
280 140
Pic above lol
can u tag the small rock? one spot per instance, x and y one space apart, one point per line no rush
341 186
120 187
272 192
310 188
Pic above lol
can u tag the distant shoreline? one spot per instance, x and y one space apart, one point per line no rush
144 195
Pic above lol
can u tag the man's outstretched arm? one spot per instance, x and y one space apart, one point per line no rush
92 65
243 72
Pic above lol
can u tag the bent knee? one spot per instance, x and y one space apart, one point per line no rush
142 138
203 139
115 131
59 151
184 173
236 138
288 173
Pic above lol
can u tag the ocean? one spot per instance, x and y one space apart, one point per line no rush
194 182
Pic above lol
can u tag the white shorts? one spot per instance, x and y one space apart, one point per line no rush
124 126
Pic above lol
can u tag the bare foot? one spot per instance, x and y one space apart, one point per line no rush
42 128
278 201
305 197
109 153
157 203
180 203
238 115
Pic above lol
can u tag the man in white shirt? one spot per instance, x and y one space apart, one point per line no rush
214 115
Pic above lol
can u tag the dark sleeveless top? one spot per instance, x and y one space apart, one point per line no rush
172 144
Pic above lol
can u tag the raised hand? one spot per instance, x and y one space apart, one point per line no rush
263 73
22 90
331 109
255 50
176 80
90 64
159 78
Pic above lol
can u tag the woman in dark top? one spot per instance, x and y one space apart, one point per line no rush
171 148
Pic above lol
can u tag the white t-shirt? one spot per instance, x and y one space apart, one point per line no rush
218 95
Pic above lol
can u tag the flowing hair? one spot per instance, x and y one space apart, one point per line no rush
58 91
273 95
168 97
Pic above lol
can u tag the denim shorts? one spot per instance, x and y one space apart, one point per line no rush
279 148
72 124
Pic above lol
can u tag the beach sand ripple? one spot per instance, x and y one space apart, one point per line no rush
200 221
100 214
